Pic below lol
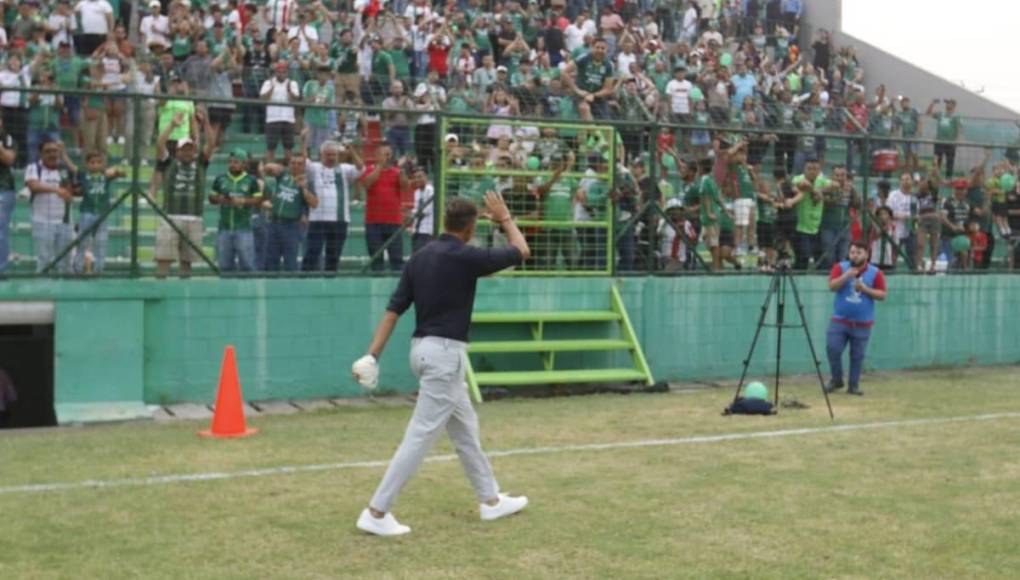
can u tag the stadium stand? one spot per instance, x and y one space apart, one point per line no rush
583 111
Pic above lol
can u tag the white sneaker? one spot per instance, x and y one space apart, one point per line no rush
384 526
507 506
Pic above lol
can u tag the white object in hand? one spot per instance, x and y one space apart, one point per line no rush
366 371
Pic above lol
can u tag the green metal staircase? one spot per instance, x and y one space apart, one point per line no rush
546 348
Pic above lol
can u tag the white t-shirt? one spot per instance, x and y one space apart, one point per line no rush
47 208
333 187
413 11
62 24
280 13
93 16
899 203
623 61
679 96
279 95
573 37
155 29
310 35
424 202
8 78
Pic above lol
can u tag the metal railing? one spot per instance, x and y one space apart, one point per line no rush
137 216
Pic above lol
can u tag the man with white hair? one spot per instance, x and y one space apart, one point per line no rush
332 179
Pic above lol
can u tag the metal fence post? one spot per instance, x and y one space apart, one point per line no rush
136 162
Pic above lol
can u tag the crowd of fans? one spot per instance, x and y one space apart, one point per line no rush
740 96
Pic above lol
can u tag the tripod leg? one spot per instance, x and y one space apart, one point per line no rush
811 346
773 285
780 319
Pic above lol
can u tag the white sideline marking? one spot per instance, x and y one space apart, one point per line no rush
697 439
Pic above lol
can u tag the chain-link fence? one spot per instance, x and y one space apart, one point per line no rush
292 184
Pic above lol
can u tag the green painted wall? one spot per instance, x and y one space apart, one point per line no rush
161 342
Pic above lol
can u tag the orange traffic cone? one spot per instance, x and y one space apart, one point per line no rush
228 416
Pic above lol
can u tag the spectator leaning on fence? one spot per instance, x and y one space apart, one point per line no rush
424 210
183 200
50 182
811 188
291 201
237 193
94 185
384 182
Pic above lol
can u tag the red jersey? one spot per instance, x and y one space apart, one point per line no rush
978 246
382 204
438 56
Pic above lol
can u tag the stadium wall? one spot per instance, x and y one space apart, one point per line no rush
123 344
901 76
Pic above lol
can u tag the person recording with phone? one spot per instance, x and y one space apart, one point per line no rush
857 284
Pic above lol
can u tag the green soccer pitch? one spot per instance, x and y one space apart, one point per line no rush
918 478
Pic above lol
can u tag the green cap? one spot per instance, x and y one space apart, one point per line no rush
533 163
239 153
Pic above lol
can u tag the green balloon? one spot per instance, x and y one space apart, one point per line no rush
726 59
533 163
1007 182
756 390
960 244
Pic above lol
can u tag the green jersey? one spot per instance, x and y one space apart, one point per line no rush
43 115
313 92
836 214
381 63
288 200
180 47
95 191
6 175
345 59
67 72
909 122
597 192
166 115
592 75
558 203
231 186
766 212
475 190
401 64
809 213
745 183
183 185
947 127
711 201
692 194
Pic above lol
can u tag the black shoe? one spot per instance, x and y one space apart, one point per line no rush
855 391
833 386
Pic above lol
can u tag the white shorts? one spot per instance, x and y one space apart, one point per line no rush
742 209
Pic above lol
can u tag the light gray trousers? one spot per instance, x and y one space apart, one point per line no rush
443 401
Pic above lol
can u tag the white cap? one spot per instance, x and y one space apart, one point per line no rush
452 137
185 141
421 90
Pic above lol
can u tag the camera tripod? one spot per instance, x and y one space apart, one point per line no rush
782 279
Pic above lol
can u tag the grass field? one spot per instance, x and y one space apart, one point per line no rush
936 499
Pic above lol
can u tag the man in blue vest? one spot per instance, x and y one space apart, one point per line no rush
857 285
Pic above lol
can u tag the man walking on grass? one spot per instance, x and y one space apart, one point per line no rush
857 285
440 281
